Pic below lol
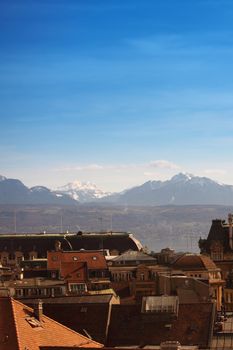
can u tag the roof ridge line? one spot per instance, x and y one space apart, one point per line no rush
15 323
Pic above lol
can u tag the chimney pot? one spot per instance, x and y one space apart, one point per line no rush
38 310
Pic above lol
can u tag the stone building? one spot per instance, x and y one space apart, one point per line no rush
82 270
219 245
204 269
17 247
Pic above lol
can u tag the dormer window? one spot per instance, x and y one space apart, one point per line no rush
216 251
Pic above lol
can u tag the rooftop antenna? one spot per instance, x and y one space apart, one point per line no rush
61 223
101 224
187 242
111 223
15 222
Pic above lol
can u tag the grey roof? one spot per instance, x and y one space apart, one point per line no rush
132 255
84 299
34 282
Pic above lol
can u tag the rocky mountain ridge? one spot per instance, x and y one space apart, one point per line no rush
181 189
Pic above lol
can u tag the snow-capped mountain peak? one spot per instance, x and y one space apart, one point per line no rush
39 189
2 178
82 191
182 177
78 185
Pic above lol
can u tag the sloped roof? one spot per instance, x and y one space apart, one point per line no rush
84 314
70 269
193 326
23 331
219 231
93 259
194 262
187 296
132 255
82 299
42 243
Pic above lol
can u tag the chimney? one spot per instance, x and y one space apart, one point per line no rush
230 230
57 246
38 310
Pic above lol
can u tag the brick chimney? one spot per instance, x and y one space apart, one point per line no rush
38 310
230 231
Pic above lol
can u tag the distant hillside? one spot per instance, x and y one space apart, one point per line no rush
181 189
13 191
178 227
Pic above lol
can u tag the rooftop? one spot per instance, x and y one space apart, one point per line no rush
132 255
84 299
22 330
194 261
71 234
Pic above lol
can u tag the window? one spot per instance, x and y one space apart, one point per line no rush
94 258
75 258
18 292
77 287
216 251
216 255
83 309
142 277
53 274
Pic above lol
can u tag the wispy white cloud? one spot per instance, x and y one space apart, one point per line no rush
80 168
185 45
164 164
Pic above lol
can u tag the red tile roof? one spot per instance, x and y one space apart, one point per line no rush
94 259
75 271
21 330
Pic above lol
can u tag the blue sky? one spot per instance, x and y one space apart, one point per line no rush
115 92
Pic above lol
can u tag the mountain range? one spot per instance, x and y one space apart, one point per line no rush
13 191
82 191
181 189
